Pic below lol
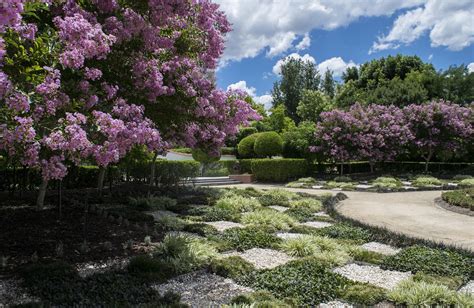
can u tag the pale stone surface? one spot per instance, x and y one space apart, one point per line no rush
317 186
335 304
224 225
317 224
381 248
364 186
468 288
263 258
373 274
285 236
321 214
278 208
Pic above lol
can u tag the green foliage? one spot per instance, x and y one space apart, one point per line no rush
302 246
426 181
315 282
452 283
307 203
460 177
301 214
346 231
279 170
261 299
237 203
246 146
218 214
430 261
203 157
341 185
201 229
328 84
296 141
170 223
342 179
151 203
250 237
277 121
387 182
312 104
231 267
424 294
171 172
363 255
463 198
268 144
279 197
364 294
467 183
268 218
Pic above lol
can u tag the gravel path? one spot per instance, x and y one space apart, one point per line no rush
372 274
90 268
335 304
381 248
12 294
224 225
201 289
317 224
278 208
157 215
468 287
413 213
285 236
263 258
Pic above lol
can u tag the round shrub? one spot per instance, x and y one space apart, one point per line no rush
245 148
268 144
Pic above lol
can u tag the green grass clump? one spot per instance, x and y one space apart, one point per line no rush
426 181
260 299
363 255
430 261
345 231
364 294
268 218
218 214
302 246
201 229
152 203
237 203
305 280
452 283
467 183
231 267
250 237
301 214
307 203
342 178
170 223
277 197
463 198
341 185
413 293
387 182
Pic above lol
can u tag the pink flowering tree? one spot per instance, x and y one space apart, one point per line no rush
92 79
439 127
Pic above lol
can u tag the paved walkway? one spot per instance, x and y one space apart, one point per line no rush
411 213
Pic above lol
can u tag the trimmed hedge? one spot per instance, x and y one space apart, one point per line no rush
279 170
171 172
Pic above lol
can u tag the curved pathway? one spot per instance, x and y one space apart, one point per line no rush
411 213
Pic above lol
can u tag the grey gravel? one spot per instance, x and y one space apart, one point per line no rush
321 214
373 274
11 293
202 289
263 258
285 235
317 224
364 186
335 304
224 225
90 268
317 186
381 248
468 288
184 234
278 208
157 215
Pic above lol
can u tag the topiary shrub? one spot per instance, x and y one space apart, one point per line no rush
268 144
430 261
279 170
231 267
250 237
245 148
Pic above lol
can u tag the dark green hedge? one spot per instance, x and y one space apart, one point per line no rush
279 170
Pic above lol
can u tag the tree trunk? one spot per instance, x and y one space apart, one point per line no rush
427 159
41 194
371 166
342 168
153 167
100 181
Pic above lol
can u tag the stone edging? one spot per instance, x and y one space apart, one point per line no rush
453 208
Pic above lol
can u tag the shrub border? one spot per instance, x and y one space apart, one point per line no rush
453 208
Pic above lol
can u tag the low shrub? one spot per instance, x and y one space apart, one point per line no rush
268 144
268 218
278 170
463 198
307 203
151 203
430 261
218 214
170 223
340 179
341 185
301 214
452 283
467 183
250 237
237 203
231 267
460 177
364 294
261 299
279 197
172 172
306 280
387 182
426 181
413 293
346 231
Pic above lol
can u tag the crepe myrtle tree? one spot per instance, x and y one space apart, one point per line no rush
439 127
92 79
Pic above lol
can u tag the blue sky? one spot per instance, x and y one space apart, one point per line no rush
335 34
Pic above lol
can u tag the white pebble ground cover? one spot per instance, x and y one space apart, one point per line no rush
224 225
468 288
381 248
263 258
317 224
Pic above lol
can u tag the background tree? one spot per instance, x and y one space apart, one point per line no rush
328 85
312 104
277 120
296 141
296 76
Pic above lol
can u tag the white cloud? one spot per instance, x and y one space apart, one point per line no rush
430 57
274 25
304 43
265 99
449 24
277 67
470 67
336 64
